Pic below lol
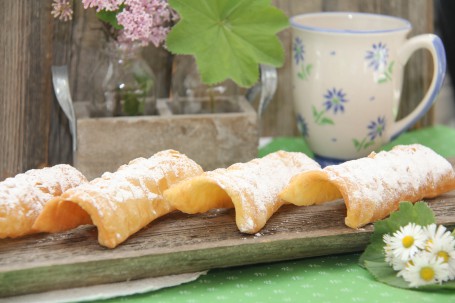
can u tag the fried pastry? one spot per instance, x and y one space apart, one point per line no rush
120 203
372 187
251 188
23 197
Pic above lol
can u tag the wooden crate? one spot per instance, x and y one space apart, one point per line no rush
212 140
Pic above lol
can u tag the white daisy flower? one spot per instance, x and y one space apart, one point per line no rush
436 233
425 269
445 250
396 263
407 241
388 249
441 244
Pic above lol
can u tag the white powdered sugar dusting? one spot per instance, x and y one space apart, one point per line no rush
26 194
139 179
259 182
385 176
39 185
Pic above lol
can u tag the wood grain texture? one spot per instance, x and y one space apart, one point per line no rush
25 85
180 243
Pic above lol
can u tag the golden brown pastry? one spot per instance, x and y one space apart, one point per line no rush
252 188
373 187
120 203
23 197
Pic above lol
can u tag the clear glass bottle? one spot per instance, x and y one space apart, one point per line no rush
189 95
123 82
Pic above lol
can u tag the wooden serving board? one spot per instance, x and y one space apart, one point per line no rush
179 243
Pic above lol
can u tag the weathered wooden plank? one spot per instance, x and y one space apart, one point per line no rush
179 243
25 85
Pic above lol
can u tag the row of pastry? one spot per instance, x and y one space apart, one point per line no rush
121 203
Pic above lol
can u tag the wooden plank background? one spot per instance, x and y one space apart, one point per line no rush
25 87
33 130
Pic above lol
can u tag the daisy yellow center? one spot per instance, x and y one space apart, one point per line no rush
428 245
407 241
427 273
444 255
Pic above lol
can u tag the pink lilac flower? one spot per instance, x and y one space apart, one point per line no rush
142 20
62 9
109 5
145 21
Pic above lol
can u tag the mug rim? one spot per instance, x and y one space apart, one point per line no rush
405 24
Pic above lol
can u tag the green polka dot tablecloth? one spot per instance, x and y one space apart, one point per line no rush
336 278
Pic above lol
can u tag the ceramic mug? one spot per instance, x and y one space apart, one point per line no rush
347 75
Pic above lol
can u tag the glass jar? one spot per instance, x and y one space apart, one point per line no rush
123 82
189 95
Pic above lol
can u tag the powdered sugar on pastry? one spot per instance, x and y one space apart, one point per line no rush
120 203
252 188
23 197
373 187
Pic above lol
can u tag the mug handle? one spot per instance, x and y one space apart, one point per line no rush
434 44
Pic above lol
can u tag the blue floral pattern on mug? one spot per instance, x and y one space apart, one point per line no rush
302 125
378 57
334 101
299 52
375 130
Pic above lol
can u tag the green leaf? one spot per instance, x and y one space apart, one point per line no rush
368 144
110 17
305 72
326 120
228 38
391 66
145 83
385 274
131 105
418 213
315 111
309 67
356 143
